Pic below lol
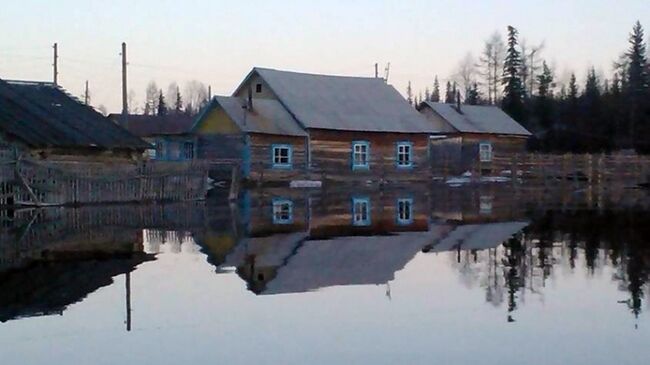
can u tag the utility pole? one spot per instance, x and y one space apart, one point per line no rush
55 64
125 105
86 96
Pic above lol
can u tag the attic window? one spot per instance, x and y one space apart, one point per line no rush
258 88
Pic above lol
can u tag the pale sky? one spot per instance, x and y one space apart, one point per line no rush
218 42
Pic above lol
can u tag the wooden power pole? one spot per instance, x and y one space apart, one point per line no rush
55 64
125 105
86 96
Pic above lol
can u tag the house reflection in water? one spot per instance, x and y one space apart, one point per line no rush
293 241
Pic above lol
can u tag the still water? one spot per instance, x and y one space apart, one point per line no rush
451 276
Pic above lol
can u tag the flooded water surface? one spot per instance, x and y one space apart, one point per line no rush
479 275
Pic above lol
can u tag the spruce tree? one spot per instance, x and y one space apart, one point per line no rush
637 86
473 95
435 95
162 108
544 106
409 93
449 94
178 106
513 91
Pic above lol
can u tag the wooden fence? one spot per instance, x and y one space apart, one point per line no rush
597 169
42 183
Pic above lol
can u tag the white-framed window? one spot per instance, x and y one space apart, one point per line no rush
282 211
361 211
485 151
360 155
404 211
404 154
485 204
281 155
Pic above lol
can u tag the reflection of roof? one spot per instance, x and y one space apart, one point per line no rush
154 125
267 116
46 288
347 261
268 251
343 103
41 114
478 119
478 236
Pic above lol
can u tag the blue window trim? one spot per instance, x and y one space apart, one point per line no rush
365 166
281 201
287 166
485 143
400 221
364 222
397 146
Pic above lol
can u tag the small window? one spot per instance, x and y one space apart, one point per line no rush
361 212
282 211
485 204
360 155
281 156
404 211
485 151
188 150
404 154
258 88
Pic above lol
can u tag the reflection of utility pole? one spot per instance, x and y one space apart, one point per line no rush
128 301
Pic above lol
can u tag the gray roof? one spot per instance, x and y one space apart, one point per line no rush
478 236
343 103
42 114
267 116
478 119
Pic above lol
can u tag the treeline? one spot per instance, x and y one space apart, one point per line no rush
597 114
194 97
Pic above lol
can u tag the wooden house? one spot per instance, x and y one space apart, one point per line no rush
324 127
169 135
472 135
260 134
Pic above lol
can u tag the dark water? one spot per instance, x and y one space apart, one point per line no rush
474 275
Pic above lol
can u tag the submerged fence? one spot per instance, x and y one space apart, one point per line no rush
43 183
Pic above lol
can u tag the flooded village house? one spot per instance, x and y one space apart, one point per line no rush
54 150
280 124
169 135
472 136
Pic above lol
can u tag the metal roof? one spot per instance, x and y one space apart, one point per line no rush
156 125
267 116
479 236
478 119
43 115
343 103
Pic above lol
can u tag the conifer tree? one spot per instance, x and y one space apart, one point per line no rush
178 105
637 81
435 95
162 107
473 95
449 94
544 107
513 91
409 93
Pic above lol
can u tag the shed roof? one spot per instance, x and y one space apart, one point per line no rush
267 116
43 115
478 119
479 236
342 102
156 125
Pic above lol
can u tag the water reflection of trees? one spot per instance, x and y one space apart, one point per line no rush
583 240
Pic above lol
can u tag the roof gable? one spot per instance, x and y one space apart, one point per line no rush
342 103
267 116
42 115
484 119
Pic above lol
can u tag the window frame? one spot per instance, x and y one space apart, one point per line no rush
410 154
258 88
404 221
355 165
191 149
280 165
362 222
490 151
278 203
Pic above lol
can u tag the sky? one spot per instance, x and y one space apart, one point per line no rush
218 42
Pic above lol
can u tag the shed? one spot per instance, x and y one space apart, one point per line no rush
472 135
169 135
